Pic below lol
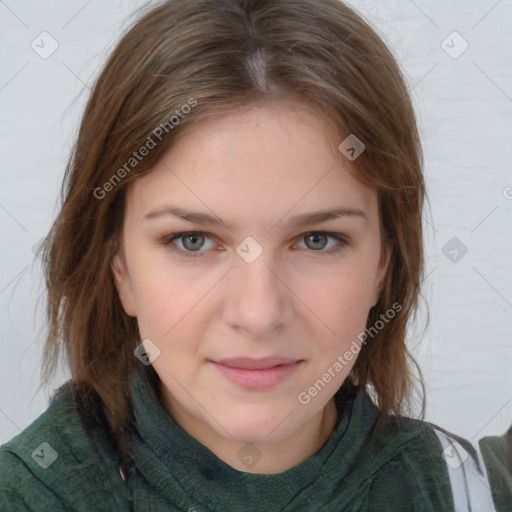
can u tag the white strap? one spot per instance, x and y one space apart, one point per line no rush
468 475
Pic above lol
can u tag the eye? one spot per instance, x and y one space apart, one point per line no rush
191 242
317 241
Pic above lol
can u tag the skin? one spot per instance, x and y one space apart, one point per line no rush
253 169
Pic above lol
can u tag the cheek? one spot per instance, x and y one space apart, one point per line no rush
341 300
172 303
162 296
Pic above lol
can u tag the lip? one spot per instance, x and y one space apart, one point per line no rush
257 374
262 363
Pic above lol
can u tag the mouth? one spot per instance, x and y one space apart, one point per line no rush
263 363
257 374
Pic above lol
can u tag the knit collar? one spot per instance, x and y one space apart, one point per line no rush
191 476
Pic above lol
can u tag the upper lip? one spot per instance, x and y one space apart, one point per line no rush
250 363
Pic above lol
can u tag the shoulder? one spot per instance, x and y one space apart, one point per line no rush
397 462
414 472
424 467
58 462
497 455
458 458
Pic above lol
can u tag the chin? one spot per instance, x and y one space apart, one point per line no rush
258 426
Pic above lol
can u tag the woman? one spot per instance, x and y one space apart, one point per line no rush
231 275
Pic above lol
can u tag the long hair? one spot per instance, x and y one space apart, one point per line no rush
181 61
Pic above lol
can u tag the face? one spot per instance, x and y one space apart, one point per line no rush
249 302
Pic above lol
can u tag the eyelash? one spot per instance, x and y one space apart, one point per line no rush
167 242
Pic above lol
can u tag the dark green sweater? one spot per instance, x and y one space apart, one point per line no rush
399 468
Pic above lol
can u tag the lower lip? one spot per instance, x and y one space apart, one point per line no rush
257 379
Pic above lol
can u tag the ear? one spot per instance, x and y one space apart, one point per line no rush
382 271
123 282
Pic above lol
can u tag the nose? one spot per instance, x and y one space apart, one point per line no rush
258 300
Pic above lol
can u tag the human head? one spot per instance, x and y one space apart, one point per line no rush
215 58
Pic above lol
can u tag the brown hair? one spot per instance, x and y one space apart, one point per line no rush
219 56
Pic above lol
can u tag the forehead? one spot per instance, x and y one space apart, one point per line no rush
286 129
263 160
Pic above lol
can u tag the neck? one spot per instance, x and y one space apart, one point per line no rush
273 457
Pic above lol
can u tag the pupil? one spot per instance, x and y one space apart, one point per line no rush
316 237
191 237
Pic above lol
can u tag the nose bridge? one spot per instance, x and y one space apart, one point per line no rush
257 276
259 301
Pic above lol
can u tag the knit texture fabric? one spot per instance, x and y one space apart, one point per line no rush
497 454
395 467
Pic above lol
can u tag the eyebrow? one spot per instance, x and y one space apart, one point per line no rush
303 219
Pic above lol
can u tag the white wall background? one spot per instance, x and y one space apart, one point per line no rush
464 107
